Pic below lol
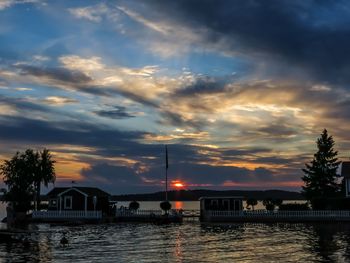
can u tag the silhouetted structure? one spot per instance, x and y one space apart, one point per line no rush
228 203
78 198
345 173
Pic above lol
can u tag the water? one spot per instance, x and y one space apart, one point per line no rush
186 242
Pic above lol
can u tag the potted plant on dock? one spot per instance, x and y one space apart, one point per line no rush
165 206
134 205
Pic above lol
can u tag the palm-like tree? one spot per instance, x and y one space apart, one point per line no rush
18 176
44 174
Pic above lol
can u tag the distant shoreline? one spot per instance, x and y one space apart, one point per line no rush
194 195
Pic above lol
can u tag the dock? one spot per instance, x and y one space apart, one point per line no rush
152 216
264 216
174 215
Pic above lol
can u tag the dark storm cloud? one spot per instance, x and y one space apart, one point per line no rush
69 132
183 159
340 110
116 179
61 77
76 80
60 74
171 117
203 86
310 34
22 104
124 179
118 112
116 175
202 173
109 142
137 98
279 130
178 153
235 152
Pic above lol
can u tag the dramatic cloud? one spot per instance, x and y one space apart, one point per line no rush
8 3
117 113
238 90
280 32
90 13
58 101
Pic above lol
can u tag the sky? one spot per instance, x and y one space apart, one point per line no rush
238 90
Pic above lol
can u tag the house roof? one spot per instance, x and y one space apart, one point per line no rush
90 191
345 169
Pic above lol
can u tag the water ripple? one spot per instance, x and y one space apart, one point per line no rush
187 242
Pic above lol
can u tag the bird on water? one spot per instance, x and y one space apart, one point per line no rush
64 240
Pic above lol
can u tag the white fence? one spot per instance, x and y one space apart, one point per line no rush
142 213
282 214
76 214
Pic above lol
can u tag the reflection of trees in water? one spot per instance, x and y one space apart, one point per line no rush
329 241
28 248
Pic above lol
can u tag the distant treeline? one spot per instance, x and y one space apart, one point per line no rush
194 195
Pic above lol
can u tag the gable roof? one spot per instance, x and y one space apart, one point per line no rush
89 191
345 169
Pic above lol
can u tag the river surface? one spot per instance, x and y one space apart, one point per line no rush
190 241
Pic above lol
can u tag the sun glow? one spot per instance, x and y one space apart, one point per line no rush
178 184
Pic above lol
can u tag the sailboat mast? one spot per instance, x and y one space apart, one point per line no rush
166 173
166 184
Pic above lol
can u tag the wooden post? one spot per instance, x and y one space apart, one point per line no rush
85 205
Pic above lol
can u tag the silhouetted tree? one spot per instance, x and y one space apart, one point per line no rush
134 205
321 178
277 202
165 205
252 202
23 175
294 207
18 177
270 203
44 174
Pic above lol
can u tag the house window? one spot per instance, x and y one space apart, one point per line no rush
68 202
214 204
53 203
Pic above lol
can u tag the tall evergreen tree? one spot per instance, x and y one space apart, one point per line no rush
320 175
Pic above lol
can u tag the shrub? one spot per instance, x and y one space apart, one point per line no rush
294 207
330 204
134 205
165 205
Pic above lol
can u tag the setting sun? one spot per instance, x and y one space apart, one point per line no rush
178 185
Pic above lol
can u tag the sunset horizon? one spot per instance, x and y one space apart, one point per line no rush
238 100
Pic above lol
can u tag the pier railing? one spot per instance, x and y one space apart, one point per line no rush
282 214
76 214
